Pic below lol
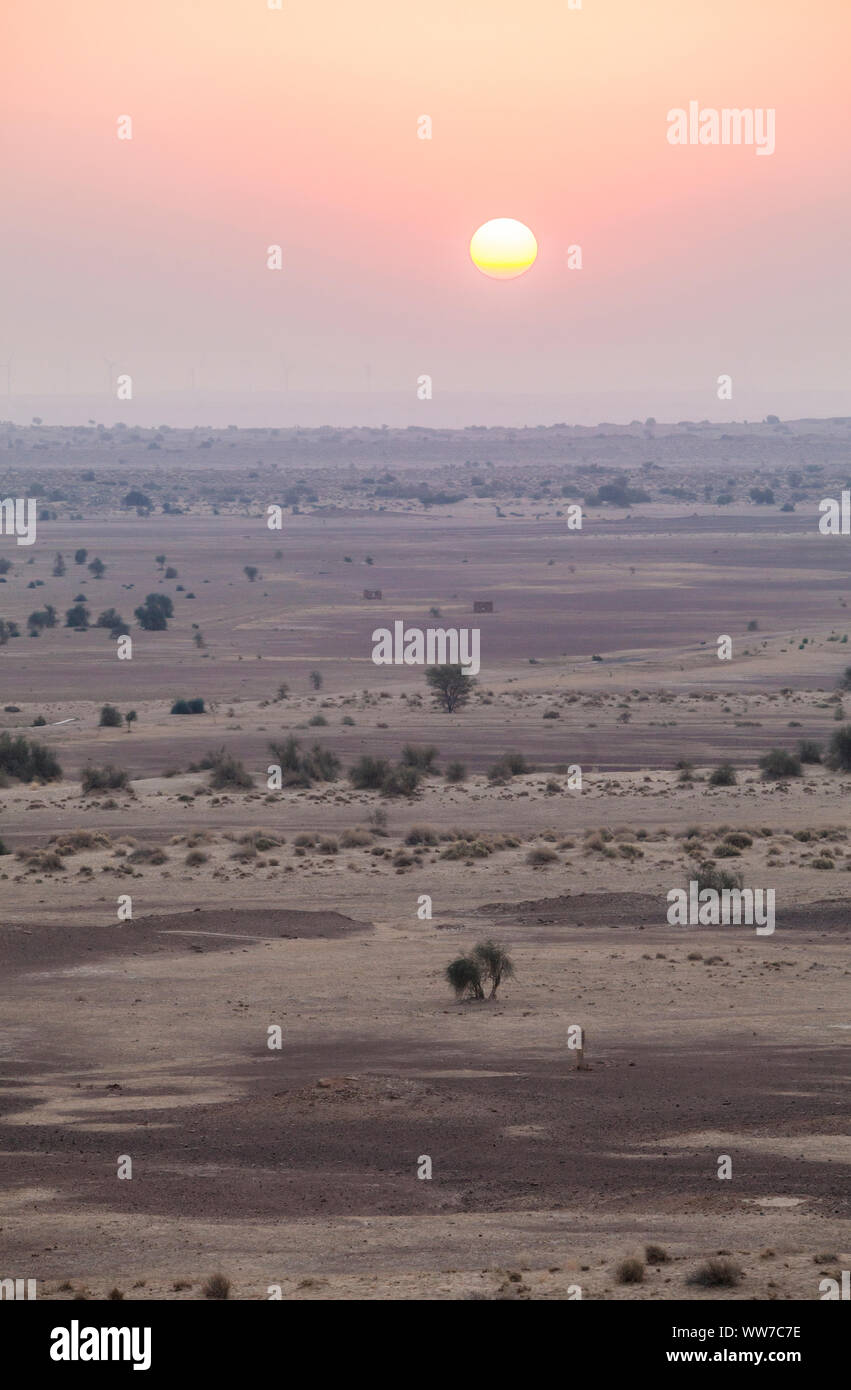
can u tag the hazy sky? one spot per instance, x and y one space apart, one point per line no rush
298 127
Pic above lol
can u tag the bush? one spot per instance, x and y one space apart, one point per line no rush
317 721
422 835
716 1274
353 839
195 706
227 772
110 718
195 858
420 758
154 613
738 839
839 751
778 763
539 857
510 765
723 776
465 976
707 876
302 769
809 751
78 616
217 1286
655 1254
28 761
630 1271
400 781
456 772
368 774
102 779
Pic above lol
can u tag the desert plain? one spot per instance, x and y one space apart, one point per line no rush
330 910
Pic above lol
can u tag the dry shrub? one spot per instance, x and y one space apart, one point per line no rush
630 1271
716 1273
70 841
538 858
352 839
148 855
217 1286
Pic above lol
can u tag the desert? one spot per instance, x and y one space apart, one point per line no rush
237 980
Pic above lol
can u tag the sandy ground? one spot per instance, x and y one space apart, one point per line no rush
297 1167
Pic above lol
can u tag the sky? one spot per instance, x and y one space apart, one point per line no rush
298 127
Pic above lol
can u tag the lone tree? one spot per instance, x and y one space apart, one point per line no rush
251 572
80 557
487 961
450 686
316 680
59 565
97 568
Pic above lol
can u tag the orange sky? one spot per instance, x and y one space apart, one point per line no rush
298 127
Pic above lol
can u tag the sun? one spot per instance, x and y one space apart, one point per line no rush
503 248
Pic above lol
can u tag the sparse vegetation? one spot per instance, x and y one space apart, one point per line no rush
102 779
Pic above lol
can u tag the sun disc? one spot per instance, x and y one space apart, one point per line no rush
503 248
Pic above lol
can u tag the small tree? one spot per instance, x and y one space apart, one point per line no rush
130 718
97 568
450 686
316 680
110 717
251 572
59 565
80 557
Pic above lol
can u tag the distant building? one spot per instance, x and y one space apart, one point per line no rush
483 605
372 593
